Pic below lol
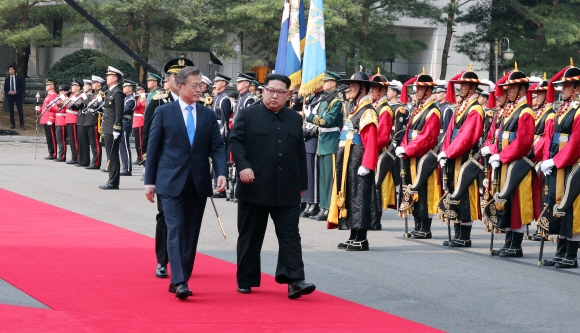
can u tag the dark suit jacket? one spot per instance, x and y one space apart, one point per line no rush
170 157
149 111
272 145
19 86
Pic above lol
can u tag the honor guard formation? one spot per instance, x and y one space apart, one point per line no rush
461 151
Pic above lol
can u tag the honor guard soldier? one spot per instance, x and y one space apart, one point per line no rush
125 141
153 84
518 202
244 82
483 98
310 132
400 118
168 94
138 120
561 168
545 116
420 138
60 123
92 121
206 97
328 118
71 119
47 118
222 106
112 126
354 203
446 107
462 140
82 134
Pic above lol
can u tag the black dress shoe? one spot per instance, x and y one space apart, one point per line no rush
314 210
306 212
244 290
173 289
71 162
12 126
161 271
358 245
566 263
234 200
49 158
92 167
299 288
182 292
422 235
125 173
80 165
512 252
58 160
136 162
22 127
219 195
109 187
551 262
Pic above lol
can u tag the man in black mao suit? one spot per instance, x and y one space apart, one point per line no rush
268 147
183 136
14 90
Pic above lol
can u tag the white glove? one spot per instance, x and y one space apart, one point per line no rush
442 156
74 99
37 108
49 123
99 99
394 144
116 135
547 166
485 151
400 151
362 171
83 96
495 161
442 162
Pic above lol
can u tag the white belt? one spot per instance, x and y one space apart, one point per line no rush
138 115
73 112
331 129
219 121
61 114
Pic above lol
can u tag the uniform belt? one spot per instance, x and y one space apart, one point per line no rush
331 129
61 114
355 140
72 112
138 115
560 138
219 121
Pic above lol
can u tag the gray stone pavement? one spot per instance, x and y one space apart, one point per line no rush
456 290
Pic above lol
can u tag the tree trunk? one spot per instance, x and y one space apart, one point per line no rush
448 36
132 44
145 44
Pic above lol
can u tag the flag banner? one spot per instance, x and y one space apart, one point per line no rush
314 63
296 39
283 41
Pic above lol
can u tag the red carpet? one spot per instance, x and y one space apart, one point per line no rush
96 277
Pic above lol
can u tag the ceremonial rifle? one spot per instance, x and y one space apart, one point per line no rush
542 233
491 206
446 193
405 211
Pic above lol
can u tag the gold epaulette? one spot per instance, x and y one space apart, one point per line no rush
489 113
401 110
369 117
159 95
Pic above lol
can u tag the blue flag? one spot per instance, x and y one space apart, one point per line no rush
296 39
314 63
283 41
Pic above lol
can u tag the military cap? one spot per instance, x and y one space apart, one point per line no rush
87 81
358 77
140 86
153 77
128 82
76 82
175 65
206 80
328 75
64 87
542 85
50 81
440 87
113 71
255 83
396 85
221 77
244 77
99 79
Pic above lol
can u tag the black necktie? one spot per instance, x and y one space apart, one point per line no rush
13 83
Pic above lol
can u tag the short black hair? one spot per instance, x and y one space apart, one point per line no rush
11 66
277 77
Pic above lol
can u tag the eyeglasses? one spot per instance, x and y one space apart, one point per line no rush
200 86
276 92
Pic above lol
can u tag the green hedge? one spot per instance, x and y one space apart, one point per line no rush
84 63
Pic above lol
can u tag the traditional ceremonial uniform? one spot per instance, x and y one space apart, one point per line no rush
125 141
71 119
138 121
400 120
112 129
329 119
354 203
47 118
462 140
420 137
446 109
562 151
60 123
545 115
82 133
513 144
92 123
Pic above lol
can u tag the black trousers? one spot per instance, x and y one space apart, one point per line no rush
138 135
125 151
95 143
61 142
83 145
71 130
50 139
183 216
113 162
312 195
161 236
252 222
11 100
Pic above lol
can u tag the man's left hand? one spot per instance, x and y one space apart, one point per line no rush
302 193
221 184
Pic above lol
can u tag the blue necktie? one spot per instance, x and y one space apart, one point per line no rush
190 124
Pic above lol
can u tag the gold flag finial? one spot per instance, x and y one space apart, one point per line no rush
503 73
545 77
571 62
470 67
423 72
378 71
516 65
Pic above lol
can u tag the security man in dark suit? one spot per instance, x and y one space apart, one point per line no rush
14 92
268 147
112 126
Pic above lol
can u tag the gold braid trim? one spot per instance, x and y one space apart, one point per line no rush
369 117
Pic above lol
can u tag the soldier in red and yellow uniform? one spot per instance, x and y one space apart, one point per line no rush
545 115
563 153
60 122
72 114
420 137
47 118
514 141
461 142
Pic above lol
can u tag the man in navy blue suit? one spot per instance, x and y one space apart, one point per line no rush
182 138
14 89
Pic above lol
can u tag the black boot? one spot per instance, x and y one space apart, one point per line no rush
506 245
425 230
361 243
464 239
303 206
314 210
456 227
322 216
306 212
417 227
570 261
515 249
560 253
351 239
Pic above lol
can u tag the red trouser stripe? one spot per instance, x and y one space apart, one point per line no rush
98 146
53 141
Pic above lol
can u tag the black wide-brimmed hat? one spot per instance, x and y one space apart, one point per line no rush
540 86
515 77
379 80
424 80
468 77
572 74
358 77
